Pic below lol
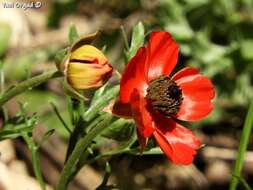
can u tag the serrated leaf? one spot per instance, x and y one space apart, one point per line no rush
137 40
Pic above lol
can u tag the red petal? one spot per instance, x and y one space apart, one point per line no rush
198 91
162 55
143 141
176 141
185 72
133 77
122 110
141 115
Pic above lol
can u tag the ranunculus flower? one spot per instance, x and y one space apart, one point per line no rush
87 67
157 101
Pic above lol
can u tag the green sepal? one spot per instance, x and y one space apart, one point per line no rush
120 130
87 39
73 34
72 92
62 56
61 59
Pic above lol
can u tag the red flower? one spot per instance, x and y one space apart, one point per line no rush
156 101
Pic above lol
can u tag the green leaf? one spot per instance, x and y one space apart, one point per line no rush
244 140
70 109
129 143
5 35
92 123
16 126
101 103
57 113
99 92
151 151
243 181
73 35
120 130
14 132
137 40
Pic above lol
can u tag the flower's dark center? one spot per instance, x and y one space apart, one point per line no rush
164 96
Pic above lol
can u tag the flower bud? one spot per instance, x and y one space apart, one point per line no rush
87 67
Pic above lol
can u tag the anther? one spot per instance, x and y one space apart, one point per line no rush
164 96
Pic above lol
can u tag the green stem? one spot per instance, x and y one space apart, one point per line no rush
133 151
80 130
242 147
79 149
74 137
83 159
106 154
36 167
27 84
35 160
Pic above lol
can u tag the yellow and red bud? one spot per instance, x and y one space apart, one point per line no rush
87 67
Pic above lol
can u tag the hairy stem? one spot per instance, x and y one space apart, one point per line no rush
79 149
35 160
27 84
